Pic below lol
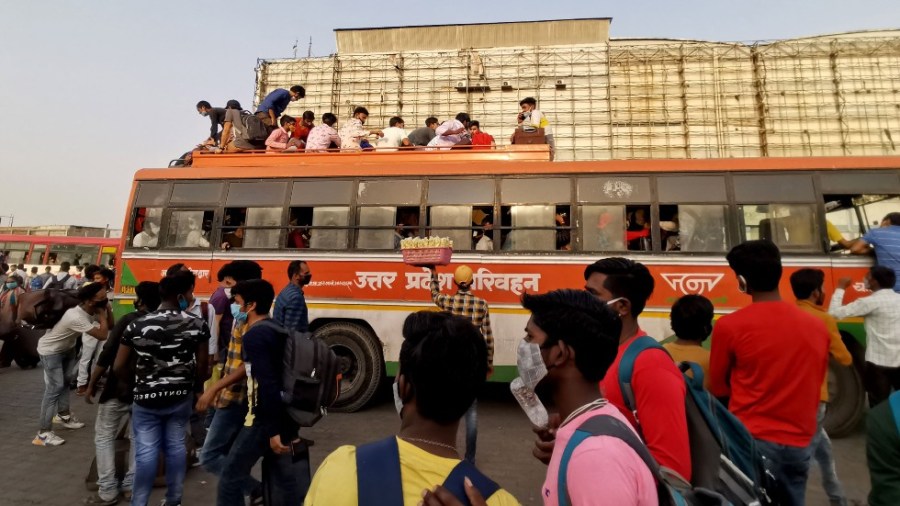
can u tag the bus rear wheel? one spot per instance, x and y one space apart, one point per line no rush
362 366
847 397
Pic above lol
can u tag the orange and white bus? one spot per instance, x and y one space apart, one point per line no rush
41 250
344 214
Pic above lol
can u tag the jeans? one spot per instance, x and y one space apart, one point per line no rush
156 429
471 431
224 429
111 415
286 477
789 469
90 350
57 375
820 447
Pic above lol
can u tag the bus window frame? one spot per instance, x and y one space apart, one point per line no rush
727 202
355 208
214 236
499 205
350 228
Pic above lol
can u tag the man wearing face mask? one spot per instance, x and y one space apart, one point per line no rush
658 386
423 454
115 402
228 395
57 350
769 359
571 341
171 346
290 306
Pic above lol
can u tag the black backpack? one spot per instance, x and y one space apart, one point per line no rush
55 282
254 130
311 376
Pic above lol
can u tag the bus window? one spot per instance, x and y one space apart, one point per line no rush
875 208
189 229
145 227
850 216
602 228
329 228
695 228
37 254
530 227
637 228
385 226
17 251
75 254
789 226
456 223
251 227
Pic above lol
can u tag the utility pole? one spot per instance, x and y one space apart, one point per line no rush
309 50
296 44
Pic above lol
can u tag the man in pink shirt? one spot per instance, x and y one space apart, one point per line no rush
279 138
324 135
577 337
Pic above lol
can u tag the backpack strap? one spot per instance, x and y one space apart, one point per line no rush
455 482
379 481
626 370
606 425
378 473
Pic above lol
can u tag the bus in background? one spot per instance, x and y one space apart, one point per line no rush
345 213
42 251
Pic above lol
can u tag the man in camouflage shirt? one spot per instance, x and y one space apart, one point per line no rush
171 346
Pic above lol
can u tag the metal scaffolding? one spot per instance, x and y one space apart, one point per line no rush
632 99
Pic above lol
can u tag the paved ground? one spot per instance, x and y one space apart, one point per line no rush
55 476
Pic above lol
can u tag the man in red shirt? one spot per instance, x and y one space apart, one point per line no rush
658 385
480 139
769 359
302 129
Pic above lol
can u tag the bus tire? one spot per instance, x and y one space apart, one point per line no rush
362 367
847 398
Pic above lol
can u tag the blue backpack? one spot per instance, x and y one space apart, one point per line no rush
724 456
379 482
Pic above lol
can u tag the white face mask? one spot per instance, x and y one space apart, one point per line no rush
398 402
530 364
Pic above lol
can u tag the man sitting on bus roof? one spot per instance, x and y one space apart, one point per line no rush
423 135
395 135
279 138
216 117
324 136
352 132
451 132
276 102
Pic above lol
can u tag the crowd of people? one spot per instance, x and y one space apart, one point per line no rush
271 130
190 373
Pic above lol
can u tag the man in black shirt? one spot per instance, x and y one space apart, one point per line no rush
268 431
216 117
171 346
115 402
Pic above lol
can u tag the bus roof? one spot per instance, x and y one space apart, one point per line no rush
511 160
59 239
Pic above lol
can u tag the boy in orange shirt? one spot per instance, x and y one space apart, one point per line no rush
691 319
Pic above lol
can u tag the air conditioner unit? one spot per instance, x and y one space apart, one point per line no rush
462 85
506 85
560 84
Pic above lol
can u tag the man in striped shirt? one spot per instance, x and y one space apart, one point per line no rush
290 306
465 304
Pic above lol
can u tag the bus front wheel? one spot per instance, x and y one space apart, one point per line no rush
362 367
847 397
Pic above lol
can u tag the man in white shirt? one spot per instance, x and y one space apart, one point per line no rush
395 135
451 132
881 311
62 279
149 236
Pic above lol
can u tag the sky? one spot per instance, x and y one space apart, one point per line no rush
94 90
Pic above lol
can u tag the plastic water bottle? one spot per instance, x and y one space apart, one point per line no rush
530 403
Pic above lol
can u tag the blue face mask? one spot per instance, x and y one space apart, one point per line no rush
237 314
182 303
12 285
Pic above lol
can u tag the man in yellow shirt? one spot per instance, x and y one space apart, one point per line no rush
397 470
808 287
691 319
